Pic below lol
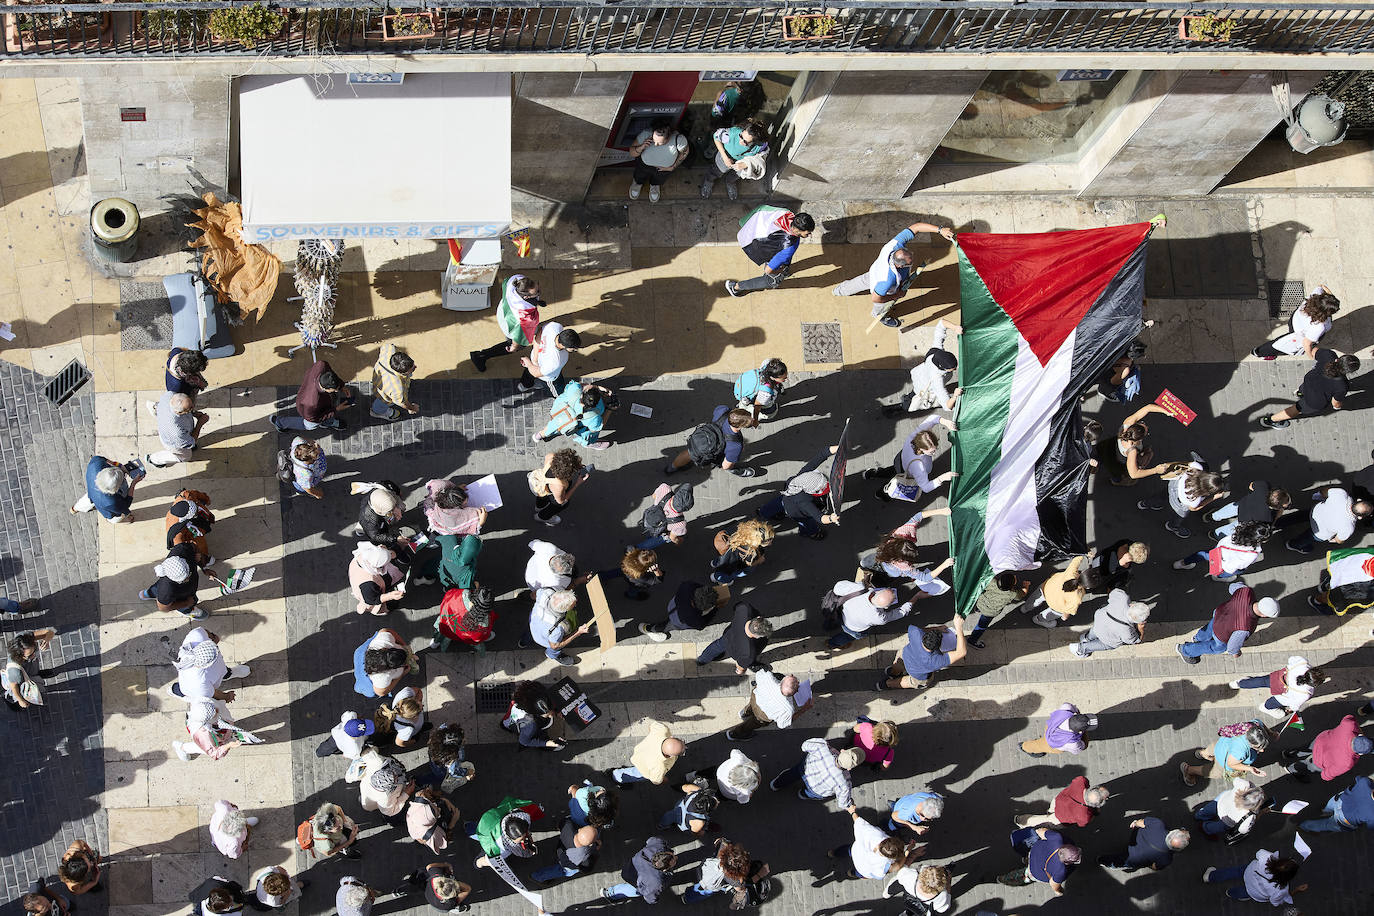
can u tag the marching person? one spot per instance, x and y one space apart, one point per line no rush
1232 623
1066 732
718 443
804 500
932 379
178 427
774 701
890 275
391 384
110 489
770 237
1306 327
1121 622
580 413
1323 387
318 401
914 462
553 344
759 391
518 313
1332 753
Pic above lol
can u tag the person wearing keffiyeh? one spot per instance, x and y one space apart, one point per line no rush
805 499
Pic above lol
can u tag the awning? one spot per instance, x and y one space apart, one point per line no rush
321 157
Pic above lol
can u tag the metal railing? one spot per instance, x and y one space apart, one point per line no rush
356 27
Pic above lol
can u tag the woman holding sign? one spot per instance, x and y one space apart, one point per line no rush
1126 458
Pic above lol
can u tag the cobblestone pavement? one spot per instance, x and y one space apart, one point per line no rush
50 756
959 738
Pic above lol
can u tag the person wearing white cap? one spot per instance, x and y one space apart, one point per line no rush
201 668
823 772
274 888
229 828
375 578
1231 625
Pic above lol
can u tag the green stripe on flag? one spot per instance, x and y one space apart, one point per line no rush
987 362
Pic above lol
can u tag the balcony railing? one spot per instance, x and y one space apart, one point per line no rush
356 27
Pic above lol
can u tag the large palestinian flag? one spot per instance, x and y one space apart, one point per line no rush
1348 580
1044 316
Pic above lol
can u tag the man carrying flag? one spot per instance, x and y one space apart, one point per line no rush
519 316
770 236
1347 583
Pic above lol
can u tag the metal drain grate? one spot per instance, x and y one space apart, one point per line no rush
145 316
821 342
1284 296
494 697
65 383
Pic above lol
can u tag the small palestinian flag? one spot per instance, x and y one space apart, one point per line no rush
1044 316
238 580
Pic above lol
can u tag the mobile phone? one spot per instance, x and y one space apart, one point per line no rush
135 469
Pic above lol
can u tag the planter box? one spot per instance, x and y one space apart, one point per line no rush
1183 31
426 21
72 34
789 24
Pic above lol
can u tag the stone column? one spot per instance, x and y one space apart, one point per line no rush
559 126
865 135
1183 132
186 127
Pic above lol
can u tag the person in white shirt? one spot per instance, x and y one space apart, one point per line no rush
1298 680
548 567
383 785
349 737
660 150
201 668
864 608
738 777
553 344
408 717
1306 326
229 828
274 888
932 379
914 463
891 273
873 854
1332 519
929 884
775 700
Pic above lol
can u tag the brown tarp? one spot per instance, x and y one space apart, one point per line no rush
236 270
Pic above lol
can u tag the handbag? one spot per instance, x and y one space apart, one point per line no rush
27 688
538 483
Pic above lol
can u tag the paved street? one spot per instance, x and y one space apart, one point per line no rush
646 289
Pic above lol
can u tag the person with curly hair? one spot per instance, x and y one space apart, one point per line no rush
447 766
183 371
641 572
926 886
591 804
555 483
466 616
380 663
308 467
1234 553
1306 326
730 870
740 549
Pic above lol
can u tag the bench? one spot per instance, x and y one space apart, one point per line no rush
195 320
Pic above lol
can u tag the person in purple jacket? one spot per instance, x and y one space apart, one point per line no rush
1065 733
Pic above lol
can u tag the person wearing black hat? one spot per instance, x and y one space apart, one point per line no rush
805 499
665 521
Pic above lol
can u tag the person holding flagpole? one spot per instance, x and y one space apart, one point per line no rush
890 275
518 313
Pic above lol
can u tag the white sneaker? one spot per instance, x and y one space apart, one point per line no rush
251 821
655 635
634 191
548 521
240 671
152 408
180 751
653 193
1234 685
1075 651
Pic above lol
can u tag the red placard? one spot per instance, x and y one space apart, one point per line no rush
1175 407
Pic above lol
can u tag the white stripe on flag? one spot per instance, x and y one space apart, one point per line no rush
1012 529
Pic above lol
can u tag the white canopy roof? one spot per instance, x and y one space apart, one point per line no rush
324 158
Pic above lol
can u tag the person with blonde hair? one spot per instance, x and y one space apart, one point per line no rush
741 549
641 572
275 888
308 467
405 717
375 579
877 740
927 885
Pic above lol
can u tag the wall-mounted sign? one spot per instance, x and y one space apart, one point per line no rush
639 115
364 79
1084 76
133 114
724 76
259 233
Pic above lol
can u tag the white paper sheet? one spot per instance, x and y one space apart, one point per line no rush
1294 807
1300 846
639 410
803 694
484 493
5 330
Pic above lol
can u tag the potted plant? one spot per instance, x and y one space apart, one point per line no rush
809 27
1207 28
246 25
401 26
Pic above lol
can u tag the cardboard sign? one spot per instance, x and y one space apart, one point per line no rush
837 468
577 710
601 612
1175 407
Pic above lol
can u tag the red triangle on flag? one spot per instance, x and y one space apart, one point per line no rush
1047 281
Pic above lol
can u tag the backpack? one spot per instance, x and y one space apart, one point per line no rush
706 445
747 386
285 473
831 605
305 836
655 520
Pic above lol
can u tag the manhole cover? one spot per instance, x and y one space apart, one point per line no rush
821 342
1284 296
145 316
494 697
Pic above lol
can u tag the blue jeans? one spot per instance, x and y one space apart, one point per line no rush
552 873
696 892
623 775
1306 541
653 542
675 816
1212 825
844 637
382 407
1203 643
714 651
794 774
289 421
1330 823
1023 838
1230 873
622 891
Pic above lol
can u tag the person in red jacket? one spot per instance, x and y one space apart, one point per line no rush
1075 806
1333 752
